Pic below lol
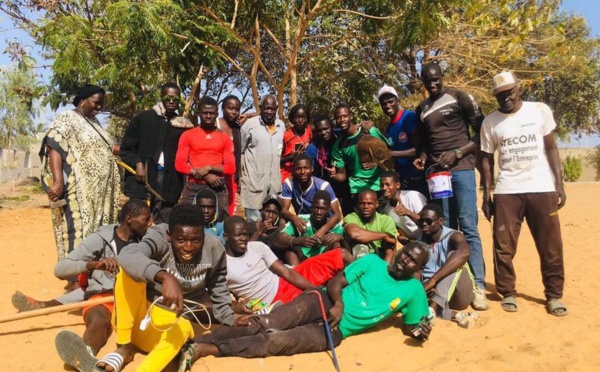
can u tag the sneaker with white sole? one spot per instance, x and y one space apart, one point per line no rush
480 302
467 319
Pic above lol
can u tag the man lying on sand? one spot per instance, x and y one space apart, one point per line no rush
366 293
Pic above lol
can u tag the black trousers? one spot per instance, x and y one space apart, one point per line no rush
294 328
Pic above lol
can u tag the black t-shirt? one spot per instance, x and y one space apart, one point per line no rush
119 243
268 238
444 123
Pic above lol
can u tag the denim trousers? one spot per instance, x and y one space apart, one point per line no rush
460 212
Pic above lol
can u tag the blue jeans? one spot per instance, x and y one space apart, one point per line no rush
252 214
460 212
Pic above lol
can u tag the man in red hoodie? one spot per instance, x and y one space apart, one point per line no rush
206 156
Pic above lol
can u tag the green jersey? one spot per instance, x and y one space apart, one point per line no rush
372 295
290 229
381 223
344 155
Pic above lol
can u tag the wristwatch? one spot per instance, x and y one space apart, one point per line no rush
458 153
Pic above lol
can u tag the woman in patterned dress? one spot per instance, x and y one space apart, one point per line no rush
79 167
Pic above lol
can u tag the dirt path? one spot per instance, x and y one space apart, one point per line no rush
529 340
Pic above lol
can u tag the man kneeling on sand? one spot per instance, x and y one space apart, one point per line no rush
447 278
366 293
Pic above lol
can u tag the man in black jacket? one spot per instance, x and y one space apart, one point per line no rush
150 144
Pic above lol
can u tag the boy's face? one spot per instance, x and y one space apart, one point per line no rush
187 242
320 210
389 187
208 209
139 224
237 238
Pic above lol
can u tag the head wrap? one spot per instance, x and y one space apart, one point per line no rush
86 91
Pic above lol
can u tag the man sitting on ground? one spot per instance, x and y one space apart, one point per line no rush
267 229
403 206
369 231
254 272
305 244
176 262
212 215
446 277
365 294
96 259
299 190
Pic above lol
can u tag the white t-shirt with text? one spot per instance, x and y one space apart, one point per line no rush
519 138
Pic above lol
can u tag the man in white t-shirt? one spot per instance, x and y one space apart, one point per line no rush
402 205
253 270
529 186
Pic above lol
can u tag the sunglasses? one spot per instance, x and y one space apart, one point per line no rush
175 99
423 221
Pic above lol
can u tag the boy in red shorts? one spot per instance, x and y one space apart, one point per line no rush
253 270
96 258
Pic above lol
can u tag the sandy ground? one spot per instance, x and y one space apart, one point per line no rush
529 340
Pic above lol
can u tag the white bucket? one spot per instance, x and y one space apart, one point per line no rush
439 182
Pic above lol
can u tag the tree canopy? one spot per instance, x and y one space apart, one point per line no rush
318 52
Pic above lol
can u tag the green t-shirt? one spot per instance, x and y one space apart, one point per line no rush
344 154
372 295
381 223
290 229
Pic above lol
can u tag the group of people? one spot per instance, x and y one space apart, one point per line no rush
361 243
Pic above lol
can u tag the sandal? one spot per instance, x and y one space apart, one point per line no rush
555 307
25 303
186 356
509 304
115 360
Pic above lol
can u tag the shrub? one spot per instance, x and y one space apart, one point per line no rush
572 168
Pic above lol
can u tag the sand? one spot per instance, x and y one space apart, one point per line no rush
529 340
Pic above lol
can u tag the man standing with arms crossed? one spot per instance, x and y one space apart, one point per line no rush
445 119
262 143
206 156
529 186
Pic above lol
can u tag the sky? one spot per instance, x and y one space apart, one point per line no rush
589 9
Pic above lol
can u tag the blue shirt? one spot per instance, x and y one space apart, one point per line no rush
398 132
217 230
302 201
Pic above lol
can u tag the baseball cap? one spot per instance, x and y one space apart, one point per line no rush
386 89
504 81
272 199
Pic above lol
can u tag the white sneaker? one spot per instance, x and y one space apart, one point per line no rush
480 302
467 319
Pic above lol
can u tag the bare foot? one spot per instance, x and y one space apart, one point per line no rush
126 351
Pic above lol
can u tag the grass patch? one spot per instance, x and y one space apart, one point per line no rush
18 199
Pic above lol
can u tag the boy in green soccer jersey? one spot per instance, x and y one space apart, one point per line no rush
304 244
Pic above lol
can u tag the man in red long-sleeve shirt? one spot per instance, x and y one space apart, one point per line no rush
205 155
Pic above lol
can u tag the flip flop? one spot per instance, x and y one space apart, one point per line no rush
509 304
115 360
25 303
73 351
553 305
186 355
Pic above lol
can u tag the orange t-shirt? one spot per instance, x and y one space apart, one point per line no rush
199 148
290 140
